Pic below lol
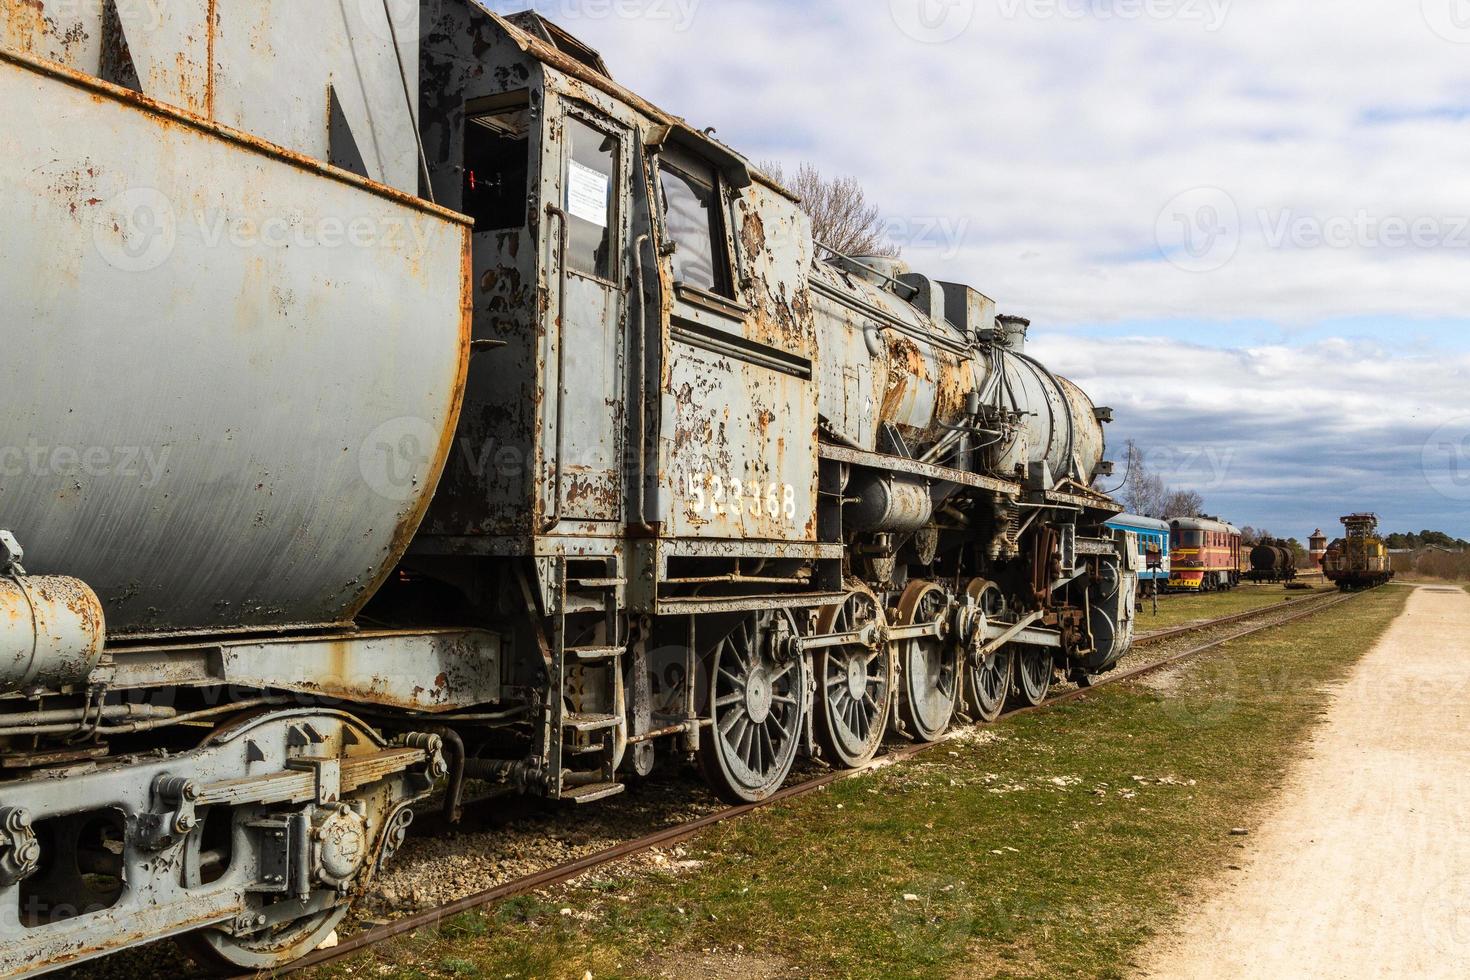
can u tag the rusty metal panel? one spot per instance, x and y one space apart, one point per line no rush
434 671
273 61
737 433
233 376
65 31
737 449
262 66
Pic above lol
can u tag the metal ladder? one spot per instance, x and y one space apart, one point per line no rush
566 729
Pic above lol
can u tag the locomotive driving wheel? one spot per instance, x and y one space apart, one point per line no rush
929 666
988 677
854 682
757 706
1033 675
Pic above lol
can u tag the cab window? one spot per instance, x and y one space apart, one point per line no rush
496 163
693 214
591 204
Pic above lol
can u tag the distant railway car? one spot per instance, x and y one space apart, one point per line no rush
1360 560
1272 560
1151 544
1204 555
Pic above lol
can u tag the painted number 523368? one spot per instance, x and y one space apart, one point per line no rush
714 496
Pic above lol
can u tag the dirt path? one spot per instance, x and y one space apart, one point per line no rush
1365 869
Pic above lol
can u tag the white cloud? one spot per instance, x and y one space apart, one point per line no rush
1061 138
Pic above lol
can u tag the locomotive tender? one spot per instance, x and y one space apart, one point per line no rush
402 401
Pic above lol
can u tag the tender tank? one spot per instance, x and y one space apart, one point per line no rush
232 376
1272 558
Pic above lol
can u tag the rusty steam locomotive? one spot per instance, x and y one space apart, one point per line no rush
397 400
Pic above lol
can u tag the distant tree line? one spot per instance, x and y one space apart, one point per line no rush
1145 493
1425 539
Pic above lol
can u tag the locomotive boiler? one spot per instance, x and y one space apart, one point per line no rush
397 400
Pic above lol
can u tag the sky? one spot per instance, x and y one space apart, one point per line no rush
1242 224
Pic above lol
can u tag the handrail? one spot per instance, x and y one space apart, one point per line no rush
561 362
642 327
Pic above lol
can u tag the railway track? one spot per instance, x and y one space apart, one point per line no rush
668 837
1159 636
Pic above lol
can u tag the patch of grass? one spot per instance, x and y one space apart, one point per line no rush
1183 609
1056 849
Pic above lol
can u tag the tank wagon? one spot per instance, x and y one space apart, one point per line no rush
1272 560
1205 555
1149 546
405 401
1359 560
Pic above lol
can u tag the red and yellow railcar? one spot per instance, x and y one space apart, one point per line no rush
1204 555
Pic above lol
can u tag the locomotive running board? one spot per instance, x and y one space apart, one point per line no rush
431 670
929 471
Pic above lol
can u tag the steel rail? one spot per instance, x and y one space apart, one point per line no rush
1159 636
562 873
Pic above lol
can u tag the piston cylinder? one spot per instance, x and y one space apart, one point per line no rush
884 502
52 631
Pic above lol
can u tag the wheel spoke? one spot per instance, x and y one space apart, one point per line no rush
746 738
773 720
727 725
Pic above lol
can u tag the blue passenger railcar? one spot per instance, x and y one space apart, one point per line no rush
1149 536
